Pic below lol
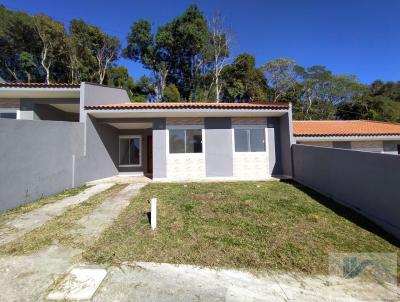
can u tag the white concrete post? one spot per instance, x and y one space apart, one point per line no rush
153 213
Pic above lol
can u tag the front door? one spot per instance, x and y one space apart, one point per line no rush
150 154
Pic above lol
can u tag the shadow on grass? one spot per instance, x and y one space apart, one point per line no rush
148 214
347 213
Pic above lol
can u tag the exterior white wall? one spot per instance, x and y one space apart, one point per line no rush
318 144
370 146
190 166
250 165
185 166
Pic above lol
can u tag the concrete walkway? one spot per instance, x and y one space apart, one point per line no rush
122 179
32 277
25 223
28 278
92 225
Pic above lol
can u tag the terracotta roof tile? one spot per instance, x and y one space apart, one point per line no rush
39 85
344 128
127 106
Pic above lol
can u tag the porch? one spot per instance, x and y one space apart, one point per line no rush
132 146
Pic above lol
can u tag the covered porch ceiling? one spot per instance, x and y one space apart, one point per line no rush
70 108
131 125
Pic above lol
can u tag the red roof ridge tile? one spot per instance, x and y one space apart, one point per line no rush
189 105
345 128
39 85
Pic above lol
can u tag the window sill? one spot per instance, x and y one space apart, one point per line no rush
192 153
251 152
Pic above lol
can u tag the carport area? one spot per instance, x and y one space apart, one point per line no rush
133 145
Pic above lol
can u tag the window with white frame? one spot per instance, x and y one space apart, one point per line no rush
249 139
185 141
130 151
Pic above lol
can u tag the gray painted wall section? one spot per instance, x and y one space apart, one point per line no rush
99 160
274 146
100 141
365 181
36 159
218 147
97 94
286 141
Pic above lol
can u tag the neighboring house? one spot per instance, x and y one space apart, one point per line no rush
359 135
166 141
33 101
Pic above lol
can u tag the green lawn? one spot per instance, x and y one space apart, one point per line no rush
253 225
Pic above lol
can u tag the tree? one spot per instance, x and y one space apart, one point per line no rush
171 94
95 51
378 102
220 46
144 88
322 91
20 47
144 47
243 82
176 53
73 59
52 37
282 74
186 38
106 50
118 76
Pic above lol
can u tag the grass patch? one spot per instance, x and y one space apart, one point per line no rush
252 225
25 208
57 229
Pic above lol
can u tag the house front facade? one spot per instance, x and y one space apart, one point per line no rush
197 141
164 141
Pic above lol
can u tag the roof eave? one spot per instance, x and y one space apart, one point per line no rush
156 112
354 137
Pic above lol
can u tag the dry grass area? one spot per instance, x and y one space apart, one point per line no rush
25 208
253 225
57 230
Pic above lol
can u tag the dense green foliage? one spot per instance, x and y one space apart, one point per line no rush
171 94
381 101
39 49
189 60
243 81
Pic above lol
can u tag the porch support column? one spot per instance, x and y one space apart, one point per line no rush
159 148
